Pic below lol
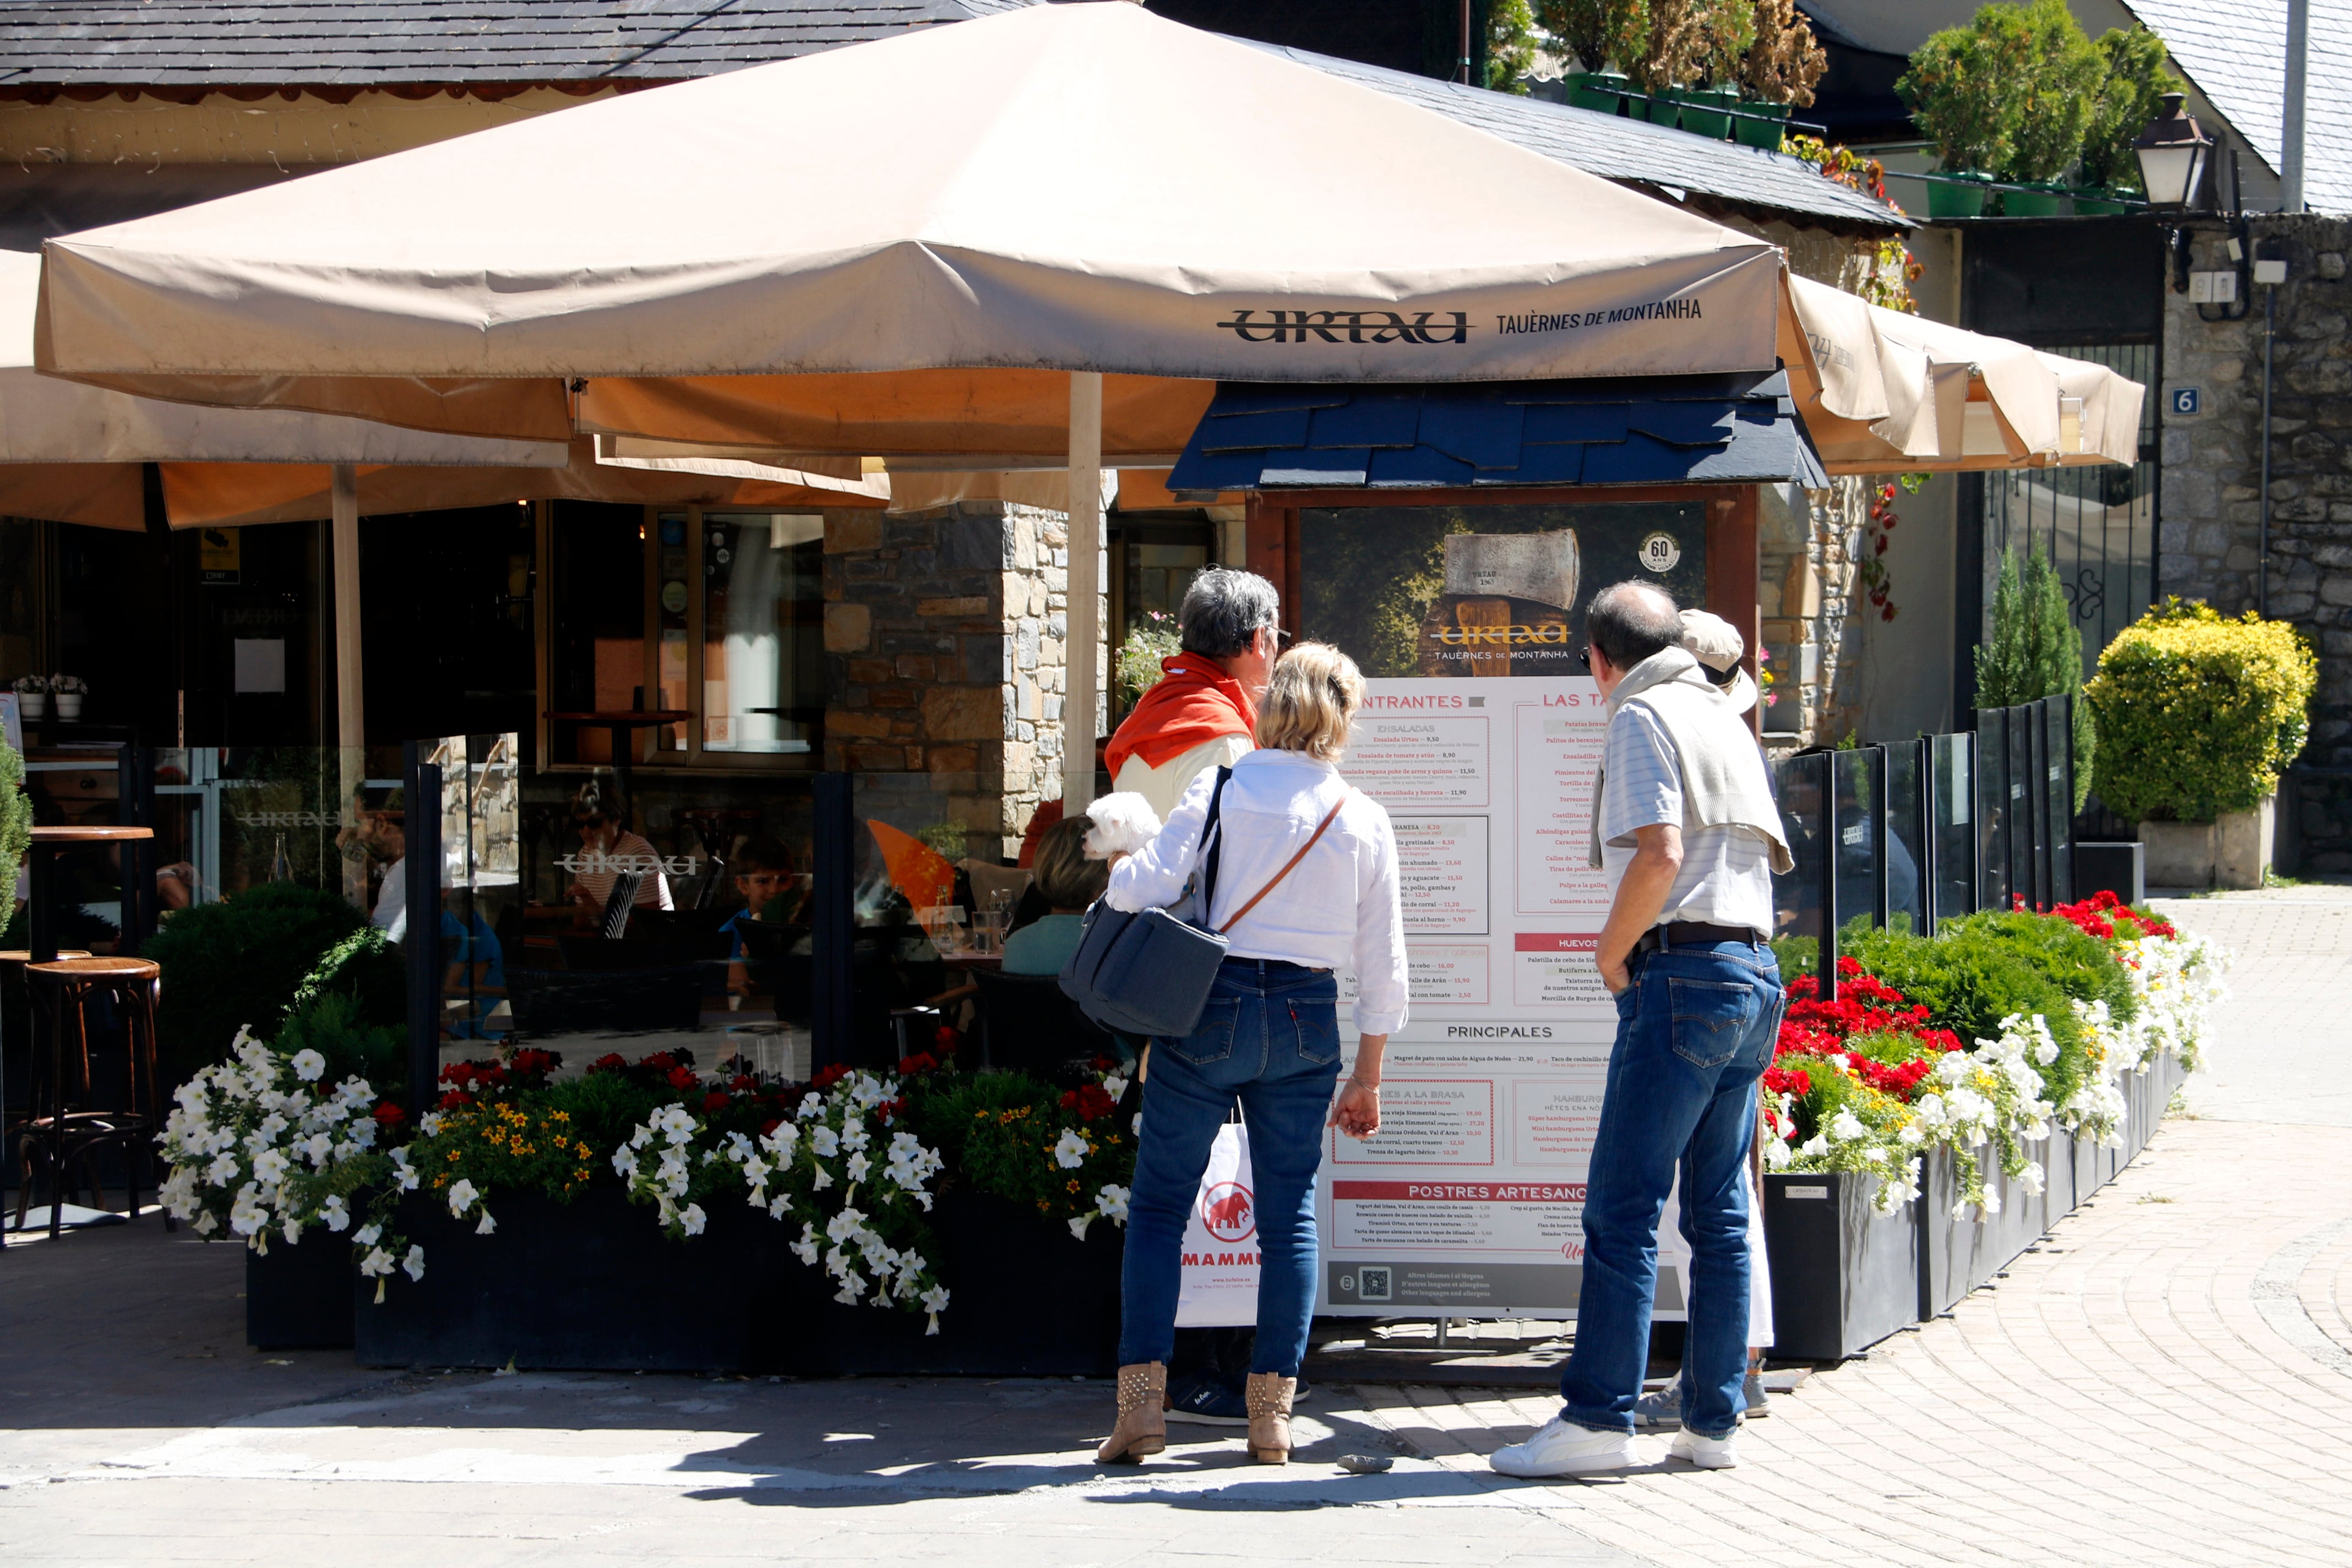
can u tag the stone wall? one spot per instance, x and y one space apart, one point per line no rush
1806 597
945 637
2209 521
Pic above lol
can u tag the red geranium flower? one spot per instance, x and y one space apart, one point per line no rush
922 1061
742 1083
946 1039
681 1078
1089 1102
827 1077
389 1115
611 1061
770 1125
715 1100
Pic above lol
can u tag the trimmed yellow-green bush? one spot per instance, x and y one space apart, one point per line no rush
2198 714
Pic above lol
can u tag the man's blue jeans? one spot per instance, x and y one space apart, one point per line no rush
1695 1031
1268 1041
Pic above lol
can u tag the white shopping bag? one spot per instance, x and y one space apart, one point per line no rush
1219 1279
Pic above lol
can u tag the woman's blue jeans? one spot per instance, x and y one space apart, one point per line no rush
1269 1042
1695 1031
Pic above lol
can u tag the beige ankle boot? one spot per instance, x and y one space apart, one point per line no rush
1143 1427
1268 1397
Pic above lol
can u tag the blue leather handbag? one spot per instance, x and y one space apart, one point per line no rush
1150 973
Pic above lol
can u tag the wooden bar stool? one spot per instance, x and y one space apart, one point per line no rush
11 963
65 1129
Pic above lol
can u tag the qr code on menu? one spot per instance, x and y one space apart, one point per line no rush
1372 1284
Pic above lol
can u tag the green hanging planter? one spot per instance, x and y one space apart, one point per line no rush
1948 197
2097 200
1764 133
1665 107
2040 199
1703 112
1601 91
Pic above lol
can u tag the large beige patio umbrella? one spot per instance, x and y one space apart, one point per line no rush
1880 391
1036 238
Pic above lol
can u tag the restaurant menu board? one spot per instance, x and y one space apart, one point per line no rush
1471 1199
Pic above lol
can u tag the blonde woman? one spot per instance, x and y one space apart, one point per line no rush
1268 1040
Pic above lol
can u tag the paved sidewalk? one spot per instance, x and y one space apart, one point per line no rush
2166 1380
2286 1040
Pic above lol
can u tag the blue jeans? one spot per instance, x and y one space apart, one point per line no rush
1268 1041
1695 1031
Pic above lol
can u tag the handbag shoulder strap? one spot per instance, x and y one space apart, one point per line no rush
1328 818
1211 852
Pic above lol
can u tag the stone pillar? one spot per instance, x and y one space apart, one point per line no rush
943 636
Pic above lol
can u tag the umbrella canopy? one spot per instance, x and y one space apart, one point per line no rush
899 247
1881 391
74 454
71 453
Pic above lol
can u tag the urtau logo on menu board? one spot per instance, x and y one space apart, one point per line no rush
1376 326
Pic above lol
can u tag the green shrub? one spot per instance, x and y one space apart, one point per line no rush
332 1025
2012 93
15 814
364 969
2198 714
240 963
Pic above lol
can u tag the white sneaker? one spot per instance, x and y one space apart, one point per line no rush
1560 1448
1706 1453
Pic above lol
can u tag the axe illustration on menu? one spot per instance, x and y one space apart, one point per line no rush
1496 583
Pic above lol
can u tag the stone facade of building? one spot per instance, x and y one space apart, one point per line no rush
946 644
2209 543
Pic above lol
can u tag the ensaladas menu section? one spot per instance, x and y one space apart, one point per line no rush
1471 1200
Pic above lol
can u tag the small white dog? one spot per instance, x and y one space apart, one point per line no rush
1123 824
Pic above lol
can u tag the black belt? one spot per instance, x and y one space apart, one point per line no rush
1695 933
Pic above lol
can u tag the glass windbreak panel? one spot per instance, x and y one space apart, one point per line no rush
1905 849
1802 785
2059 779
762 632
1853 794
226 820
672 924
597 628
1993 814
2025 804
1952 761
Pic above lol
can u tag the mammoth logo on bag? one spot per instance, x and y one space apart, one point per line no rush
1229 1212
1376 326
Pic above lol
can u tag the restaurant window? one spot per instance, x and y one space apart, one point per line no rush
1151 565
716 616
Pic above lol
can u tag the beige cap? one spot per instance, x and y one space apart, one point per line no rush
1712 641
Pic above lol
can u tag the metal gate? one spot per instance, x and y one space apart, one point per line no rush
2096 525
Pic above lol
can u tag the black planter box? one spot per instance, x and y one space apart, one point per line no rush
594 1285
298 1298
1027 1300
1843 1276
591 1285
1956 1254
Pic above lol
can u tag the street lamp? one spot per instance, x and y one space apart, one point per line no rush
2173 152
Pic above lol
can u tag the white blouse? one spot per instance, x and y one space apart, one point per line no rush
1338 910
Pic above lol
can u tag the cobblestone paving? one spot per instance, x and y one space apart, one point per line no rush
2166 1380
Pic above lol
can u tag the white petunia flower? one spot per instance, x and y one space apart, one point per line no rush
367 1236
488 1224
825 1142
462 1194
413 1264
1112 1201
692 1218
1070 1151
307 1065
334 1214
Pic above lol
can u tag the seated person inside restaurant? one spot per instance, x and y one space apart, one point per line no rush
764 880
607 849
1068 882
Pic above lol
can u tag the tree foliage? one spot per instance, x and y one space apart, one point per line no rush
1783 63
240 963
1599 33
2132 94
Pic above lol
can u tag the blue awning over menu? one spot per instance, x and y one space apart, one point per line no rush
1641 430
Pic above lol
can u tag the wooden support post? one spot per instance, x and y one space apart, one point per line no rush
1082 672
350 701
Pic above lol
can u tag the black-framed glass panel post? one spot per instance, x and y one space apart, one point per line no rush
1994 818
2058 730
1800 895
2026 834
1853 799
1953 791
1906 857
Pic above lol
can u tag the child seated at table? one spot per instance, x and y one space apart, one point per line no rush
764 873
